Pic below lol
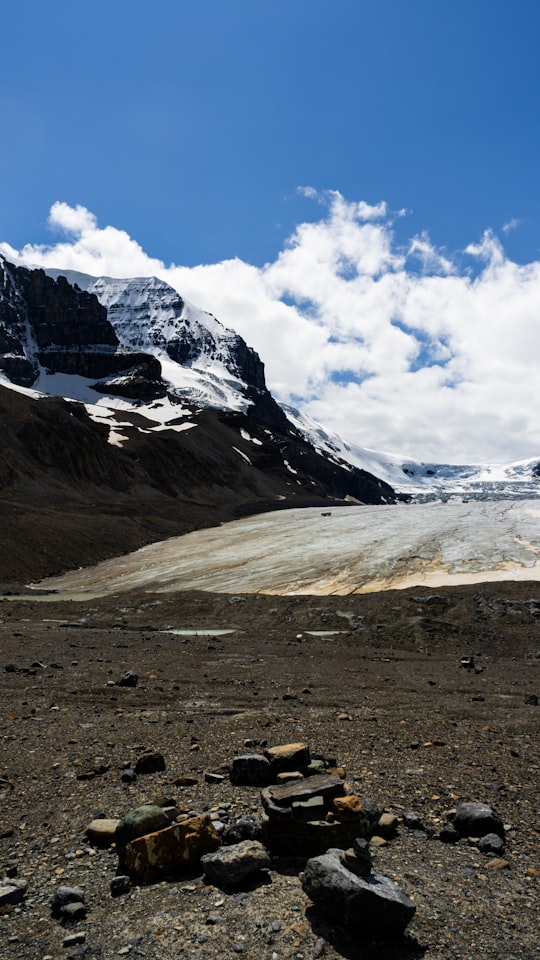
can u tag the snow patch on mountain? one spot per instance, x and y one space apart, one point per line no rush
426 480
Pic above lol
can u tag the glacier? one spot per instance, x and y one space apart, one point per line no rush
342 551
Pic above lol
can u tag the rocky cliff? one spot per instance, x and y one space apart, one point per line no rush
48 324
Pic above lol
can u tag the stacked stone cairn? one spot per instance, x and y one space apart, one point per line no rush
309 811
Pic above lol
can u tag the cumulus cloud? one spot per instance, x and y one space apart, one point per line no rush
396 347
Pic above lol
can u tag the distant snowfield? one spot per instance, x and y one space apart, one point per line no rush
352 550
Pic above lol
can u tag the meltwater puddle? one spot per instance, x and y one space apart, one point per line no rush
194 632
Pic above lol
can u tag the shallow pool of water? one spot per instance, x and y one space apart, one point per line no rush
194 632
52 597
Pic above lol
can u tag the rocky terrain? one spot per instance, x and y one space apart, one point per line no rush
89 689
407 704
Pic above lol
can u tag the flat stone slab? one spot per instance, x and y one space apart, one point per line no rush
373 905
320 785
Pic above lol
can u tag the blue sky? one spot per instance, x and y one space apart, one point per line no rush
192 126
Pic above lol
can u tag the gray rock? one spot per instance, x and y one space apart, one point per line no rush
64 896
229 866
13 892
210 777
448 835
491 843
120 885
306 838
245 828
73 939
72 912
357 858
373 906
129 679
477 819
412 821
251 770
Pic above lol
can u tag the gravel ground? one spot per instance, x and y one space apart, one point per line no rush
386 697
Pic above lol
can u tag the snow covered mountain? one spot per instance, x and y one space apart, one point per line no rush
151 400
427 481
137 344
202 362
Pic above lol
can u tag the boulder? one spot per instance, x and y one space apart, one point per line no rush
477 819
12 892
373 905
229 866
170 850
491 843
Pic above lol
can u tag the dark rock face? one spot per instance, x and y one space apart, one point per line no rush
65 330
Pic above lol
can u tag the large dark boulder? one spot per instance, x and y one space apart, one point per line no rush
477 820
372 906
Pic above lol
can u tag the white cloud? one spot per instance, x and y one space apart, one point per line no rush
395 348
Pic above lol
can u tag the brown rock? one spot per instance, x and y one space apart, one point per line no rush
289 776
387 825
101 832
288 756
348 809
498 863
168 850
